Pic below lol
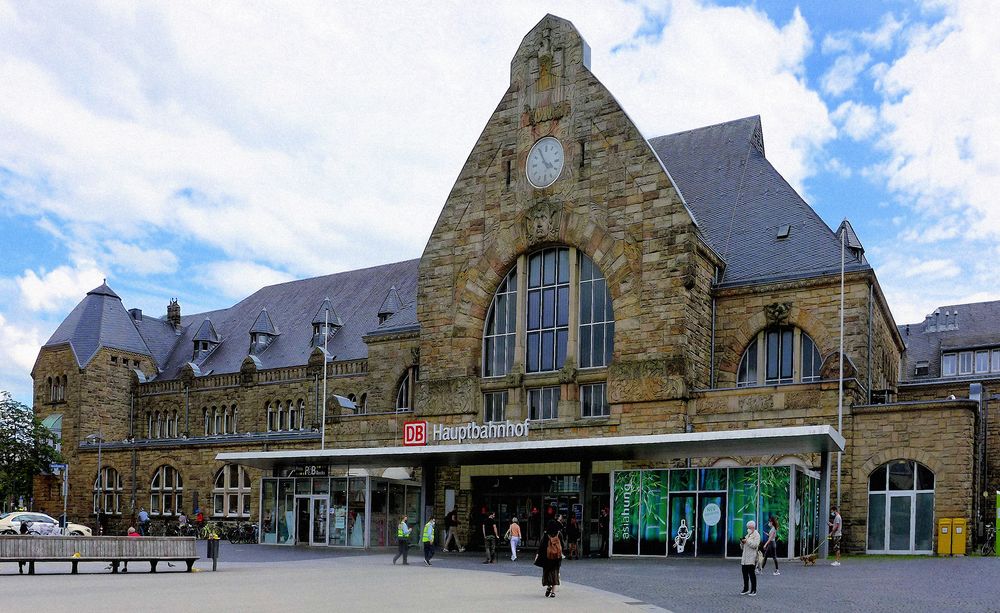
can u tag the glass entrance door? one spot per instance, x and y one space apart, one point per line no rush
319 520
900 520
683 524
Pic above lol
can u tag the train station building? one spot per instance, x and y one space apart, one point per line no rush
600 319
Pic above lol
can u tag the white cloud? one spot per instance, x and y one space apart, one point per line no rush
58 288
856 119
18 348
837 167
844 73
132 258
238 279
941 115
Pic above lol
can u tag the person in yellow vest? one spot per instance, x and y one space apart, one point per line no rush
403 539
428 540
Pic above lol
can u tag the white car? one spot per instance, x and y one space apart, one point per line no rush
40 524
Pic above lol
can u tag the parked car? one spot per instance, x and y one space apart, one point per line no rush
40 524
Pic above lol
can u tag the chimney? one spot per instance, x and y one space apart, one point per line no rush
174 313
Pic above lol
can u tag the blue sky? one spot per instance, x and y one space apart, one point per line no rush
202 150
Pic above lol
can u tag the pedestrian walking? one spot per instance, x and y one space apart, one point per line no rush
143 522
549 558
771 545
750 542
603 526
402 539
451 523
428 540
573 538
514 534
490 536
836 524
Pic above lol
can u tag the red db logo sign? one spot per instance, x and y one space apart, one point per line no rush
414 433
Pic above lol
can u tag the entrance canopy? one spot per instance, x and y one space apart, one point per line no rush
753 442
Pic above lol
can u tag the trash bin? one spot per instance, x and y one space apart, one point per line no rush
958 535
944 537
212 546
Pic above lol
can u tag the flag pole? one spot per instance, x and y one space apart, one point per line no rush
840 385
326 339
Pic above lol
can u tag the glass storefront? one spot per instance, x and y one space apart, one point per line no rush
336 511
704 511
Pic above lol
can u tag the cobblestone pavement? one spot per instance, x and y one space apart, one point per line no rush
261 578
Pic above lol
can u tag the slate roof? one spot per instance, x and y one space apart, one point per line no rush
327 314
355 295
739 201
953 327
100 320
206 332
404 320
392 303
263 324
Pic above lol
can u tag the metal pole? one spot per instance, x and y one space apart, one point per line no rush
65 492
100 479
840 385
326 340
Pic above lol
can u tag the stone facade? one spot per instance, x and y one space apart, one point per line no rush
678 334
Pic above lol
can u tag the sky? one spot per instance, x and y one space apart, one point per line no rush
201 150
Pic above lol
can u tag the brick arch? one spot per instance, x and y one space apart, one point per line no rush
899 453
477 283
825 340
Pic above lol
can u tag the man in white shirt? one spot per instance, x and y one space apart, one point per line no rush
836 532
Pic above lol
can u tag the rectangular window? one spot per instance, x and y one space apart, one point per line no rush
217 510
995 362
965 363
547 310
778 344
593 400
494 406
982 361
543 403
949 365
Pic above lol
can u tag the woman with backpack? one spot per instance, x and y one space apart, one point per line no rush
549 558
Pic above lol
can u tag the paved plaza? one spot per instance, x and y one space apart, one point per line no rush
254 578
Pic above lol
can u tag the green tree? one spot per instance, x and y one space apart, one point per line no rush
26 448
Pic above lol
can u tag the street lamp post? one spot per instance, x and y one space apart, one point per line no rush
99 437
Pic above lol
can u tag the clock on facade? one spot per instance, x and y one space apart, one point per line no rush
545 162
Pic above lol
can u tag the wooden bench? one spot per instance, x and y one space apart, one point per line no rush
113 549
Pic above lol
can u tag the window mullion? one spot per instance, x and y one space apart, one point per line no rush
761 358
521 313
797 355
572 333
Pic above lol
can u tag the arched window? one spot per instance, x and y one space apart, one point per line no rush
108 491
501 329
149 425
283 416
781 354
228 425
556 281
208 420
236 414
159 425
166 491
363 403
52 390
406 389
272 418
231 495
301 414
292 416
901 508
217 419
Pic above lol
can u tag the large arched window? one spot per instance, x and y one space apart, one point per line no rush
231 494
781 354
548 300
901 508
166 491
108 491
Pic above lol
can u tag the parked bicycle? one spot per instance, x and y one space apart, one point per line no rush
989 540
244 532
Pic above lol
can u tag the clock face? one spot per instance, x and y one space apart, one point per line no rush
545 162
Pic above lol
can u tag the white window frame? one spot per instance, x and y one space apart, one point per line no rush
494 406
963 367
227 490
995 360
985 355
590 390
949 365
543 403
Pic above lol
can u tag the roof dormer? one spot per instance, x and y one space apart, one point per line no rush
390 306
262 333
206 339
325 323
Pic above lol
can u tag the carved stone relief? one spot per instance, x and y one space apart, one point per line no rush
776 313
542 222
644 381
447 396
